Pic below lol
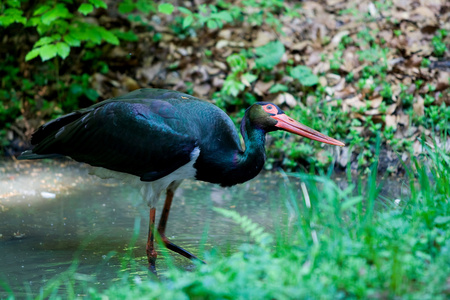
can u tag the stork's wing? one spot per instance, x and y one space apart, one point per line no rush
140 137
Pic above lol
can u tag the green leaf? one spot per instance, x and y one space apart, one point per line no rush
34 21
224 15
278 88
351 202
249 77
304 75
13 12
5 21
32 54
94 35
442 220
12 15
42 9
126 7
59 11
109 37
88 32
91 94
99 4
188 21
48 51
63 49
184 10
165 8
145 6
237 62
270 54
203 9
43 41
232 87
212 24
126 36
86 8
72 40
13 3
21 20
56 36
135 18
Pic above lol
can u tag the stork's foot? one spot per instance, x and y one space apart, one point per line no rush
152 268
152 263
171 246
151 256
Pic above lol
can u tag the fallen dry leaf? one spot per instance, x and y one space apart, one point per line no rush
285 98
419 106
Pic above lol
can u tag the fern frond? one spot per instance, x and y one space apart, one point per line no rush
256 232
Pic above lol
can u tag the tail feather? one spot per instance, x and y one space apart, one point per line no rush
30 155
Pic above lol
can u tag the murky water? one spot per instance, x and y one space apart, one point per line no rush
52 212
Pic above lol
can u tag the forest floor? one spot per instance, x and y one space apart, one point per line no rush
378 68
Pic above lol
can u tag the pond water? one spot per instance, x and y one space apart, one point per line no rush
52 212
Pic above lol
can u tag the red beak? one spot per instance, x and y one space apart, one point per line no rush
290 125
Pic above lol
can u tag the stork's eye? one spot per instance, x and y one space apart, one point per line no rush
270 108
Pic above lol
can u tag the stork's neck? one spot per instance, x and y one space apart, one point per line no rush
232 166
250 162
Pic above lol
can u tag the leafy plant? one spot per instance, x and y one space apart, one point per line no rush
11 13
304 75
438 43
233 84
208 14
278 87
60 29
79 88
266 11
258 233
336 61
269 55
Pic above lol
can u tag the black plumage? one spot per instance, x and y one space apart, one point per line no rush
163 137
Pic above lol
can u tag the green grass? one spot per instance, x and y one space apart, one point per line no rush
337 243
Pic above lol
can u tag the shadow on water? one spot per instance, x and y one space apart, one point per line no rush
52 212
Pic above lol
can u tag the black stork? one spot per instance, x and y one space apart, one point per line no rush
155 138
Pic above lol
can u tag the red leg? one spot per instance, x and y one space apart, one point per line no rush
151 253
162 228
165 213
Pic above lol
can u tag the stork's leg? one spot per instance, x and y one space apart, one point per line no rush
151 252
163 222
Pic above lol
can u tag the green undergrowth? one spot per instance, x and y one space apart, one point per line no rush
333 243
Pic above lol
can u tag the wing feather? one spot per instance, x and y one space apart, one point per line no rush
130 137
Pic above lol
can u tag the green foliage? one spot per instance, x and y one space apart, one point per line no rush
144 6
79 88
438 43
240 77
336 61
304 75
374 54
216 16
12 14
256 232
269 55
233 83
278 87
208 15
60 29
9 100
265 12
386 92
165 8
